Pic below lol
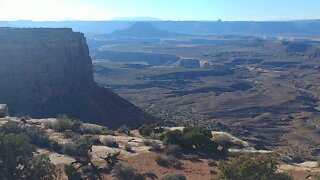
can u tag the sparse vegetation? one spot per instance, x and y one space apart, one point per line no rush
245 167
191 138
174 177
125 172
110 142
124 129
169 161
211 162
147 142
150 174
40 167
95 130
148 129
154 146
16 156
64 123
173 150
72 173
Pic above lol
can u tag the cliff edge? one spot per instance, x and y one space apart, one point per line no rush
48 71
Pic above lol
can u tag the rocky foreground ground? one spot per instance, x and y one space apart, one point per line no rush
142 158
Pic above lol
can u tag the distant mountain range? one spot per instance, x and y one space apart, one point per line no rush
301 27
142 30
136 19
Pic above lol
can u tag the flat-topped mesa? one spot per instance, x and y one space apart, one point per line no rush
48 71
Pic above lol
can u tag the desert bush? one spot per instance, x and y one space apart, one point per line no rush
71 135
40 167
150 174
63 123
86 169
69 148
148 129
125 172
95 130
16 156
128 147
245 167
193 157
55 146
36 135
169 161
95 140
124 129
110 142
173 137
72 173
147 142
199 138
191 138
174 177
211 162
173 150
154 146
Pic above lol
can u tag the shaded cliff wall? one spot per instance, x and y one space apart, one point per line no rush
46 72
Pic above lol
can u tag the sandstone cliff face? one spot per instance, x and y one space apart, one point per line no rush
46 72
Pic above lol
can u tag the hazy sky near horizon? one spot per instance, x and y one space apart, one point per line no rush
228 10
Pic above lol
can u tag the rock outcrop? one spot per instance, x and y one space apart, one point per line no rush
46 72
3 110
188 63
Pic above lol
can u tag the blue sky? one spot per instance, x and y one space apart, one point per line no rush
228 10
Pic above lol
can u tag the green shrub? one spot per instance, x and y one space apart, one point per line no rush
148 129
191 138
245 167
72 172
40 167
63 123
169 161
70 135
199 138
173 150
55 146
69 148
16 152
174 177
95 140
173 137
126 172
38 137
86 169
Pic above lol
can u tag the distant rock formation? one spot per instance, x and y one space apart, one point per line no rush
188 63
46 72
141 30
151 59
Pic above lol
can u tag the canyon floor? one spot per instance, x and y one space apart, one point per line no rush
264 90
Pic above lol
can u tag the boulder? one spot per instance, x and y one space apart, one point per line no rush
3 110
